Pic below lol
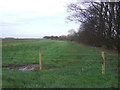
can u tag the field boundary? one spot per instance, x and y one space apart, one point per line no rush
21 39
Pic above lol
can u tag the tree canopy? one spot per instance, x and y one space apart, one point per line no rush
100 24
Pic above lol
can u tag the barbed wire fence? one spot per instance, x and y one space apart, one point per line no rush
110 60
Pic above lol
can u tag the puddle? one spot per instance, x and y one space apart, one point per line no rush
28 67
31 67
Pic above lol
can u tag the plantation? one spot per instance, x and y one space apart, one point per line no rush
65 65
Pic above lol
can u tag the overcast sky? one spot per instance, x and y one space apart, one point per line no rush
34 18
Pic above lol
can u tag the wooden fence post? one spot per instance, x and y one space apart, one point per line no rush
103 63
40 60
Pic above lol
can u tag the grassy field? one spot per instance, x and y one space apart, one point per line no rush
80 67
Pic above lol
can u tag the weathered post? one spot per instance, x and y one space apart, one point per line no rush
40 60
103 63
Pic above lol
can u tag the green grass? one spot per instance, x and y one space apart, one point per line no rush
80 66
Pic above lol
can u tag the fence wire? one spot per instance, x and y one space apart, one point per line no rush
95 57
83 61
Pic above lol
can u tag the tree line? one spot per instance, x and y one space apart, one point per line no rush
51 37
99 23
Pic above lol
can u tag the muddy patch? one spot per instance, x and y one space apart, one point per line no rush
28 67
52 67
31 67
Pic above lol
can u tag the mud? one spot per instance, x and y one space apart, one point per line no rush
27 67
31 67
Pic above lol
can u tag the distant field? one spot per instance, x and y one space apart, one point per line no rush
20 39
73 65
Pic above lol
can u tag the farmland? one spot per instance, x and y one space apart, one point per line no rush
65 65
